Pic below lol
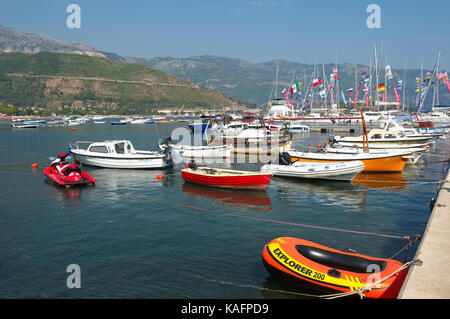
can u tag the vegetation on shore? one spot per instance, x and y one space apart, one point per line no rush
71 83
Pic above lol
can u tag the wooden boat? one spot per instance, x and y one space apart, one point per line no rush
316 170
306 263
226 178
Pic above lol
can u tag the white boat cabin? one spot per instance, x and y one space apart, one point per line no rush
112 147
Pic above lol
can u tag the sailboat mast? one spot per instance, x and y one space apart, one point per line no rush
325 99
385 84
420 85
276 83
404 88
376 78
436 91
337 85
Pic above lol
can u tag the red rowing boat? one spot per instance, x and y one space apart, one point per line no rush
227 178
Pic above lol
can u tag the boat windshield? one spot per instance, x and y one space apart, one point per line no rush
120 148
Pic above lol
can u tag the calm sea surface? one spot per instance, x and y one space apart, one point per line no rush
134 236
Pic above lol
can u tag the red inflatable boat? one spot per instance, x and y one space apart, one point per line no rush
66 174
329 270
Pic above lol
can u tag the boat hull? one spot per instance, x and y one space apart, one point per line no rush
257 181
122 162
344 171
303 262
388 163
201 151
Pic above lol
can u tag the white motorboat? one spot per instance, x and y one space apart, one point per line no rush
16 126
140 120
199 151
385 136
437 117
297 127
316 170
391 125
118 154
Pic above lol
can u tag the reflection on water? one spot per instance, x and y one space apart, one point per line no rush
391 182
70 196
130 222
232 198
341 193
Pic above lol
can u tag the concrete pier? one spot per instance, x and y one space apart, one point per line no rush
431 279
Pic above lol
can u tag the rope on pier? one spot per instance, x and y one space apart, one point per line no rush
368 287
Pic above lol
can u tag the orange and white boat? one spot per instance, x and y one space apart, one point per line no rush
306 263
393 161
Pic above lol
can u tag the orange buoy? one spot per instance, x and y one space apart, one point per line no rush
34 165
160 177
319 146
73 129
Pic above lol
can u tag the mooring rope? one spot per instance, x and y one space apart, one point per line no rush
204 210
368 287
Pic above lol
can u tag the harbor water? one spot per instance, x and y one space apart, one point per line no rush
135 236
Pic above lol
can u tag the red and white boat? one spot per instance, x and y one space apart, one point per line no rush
226 178
66 174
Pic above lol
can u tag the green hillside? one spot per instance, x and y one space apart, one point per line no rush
60 81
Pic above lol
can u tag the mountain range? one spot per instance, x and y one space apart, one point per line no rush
252 83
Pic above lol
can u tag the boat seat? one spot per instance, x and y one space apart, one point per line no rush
340 260
71 169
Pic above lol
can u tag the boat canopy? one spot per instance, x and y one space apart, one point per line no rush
116 146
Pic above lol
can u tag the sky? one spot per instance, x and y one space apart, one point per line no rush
411 32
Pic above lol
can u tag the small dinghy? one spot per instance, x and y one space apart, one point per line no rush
66 174
226 178
316 170
303 263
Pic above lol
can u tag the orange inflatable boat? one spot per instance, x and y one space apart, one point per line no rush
329 270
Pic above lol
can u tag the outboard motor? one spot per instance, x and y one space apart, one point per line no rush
192 165
285 159
332 140
167 140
